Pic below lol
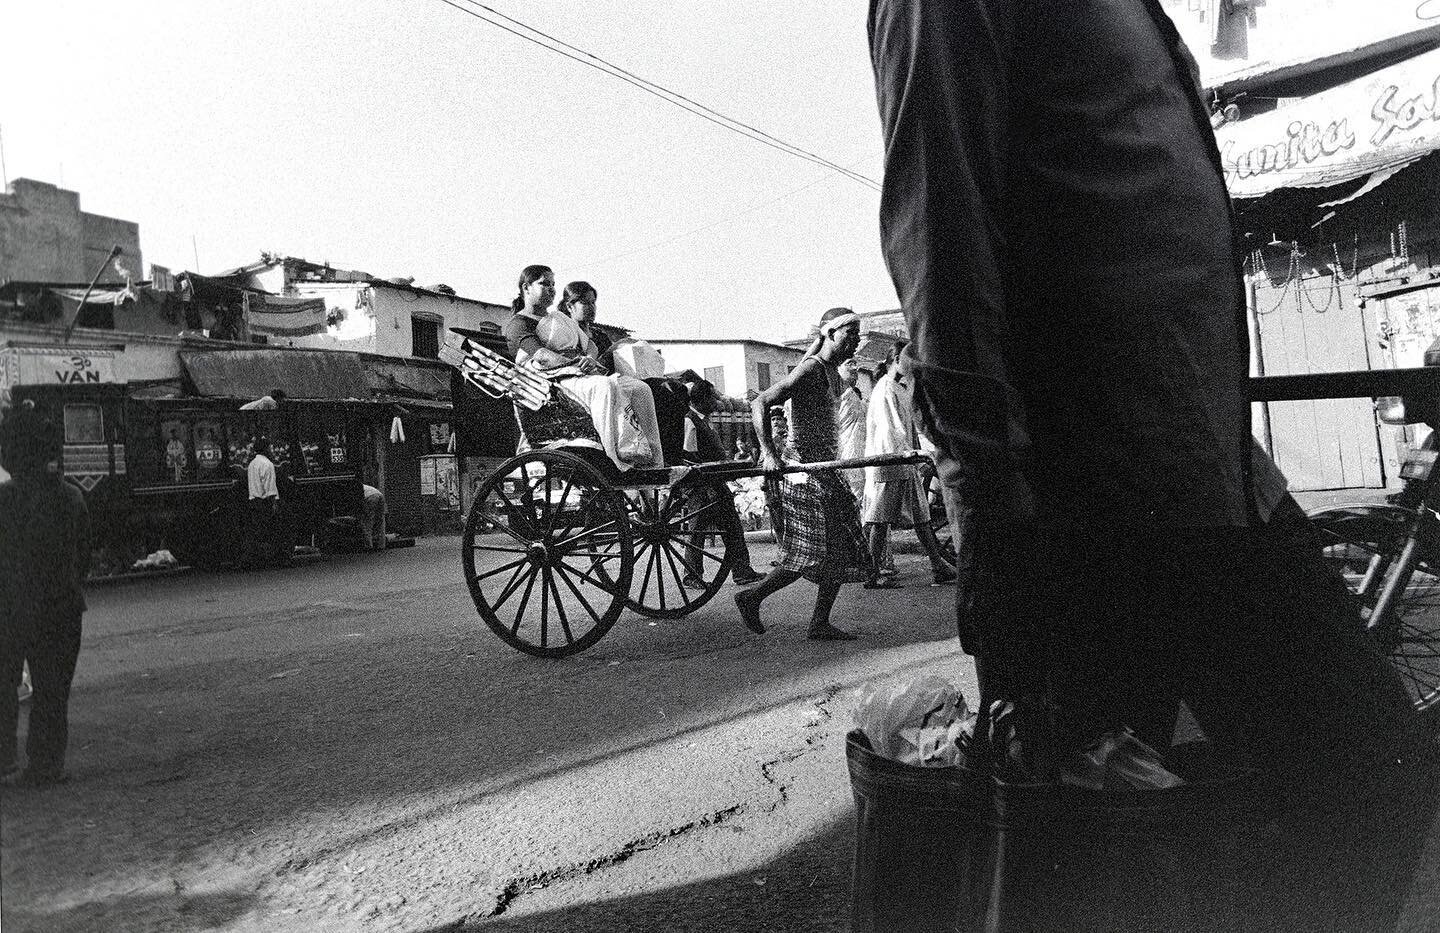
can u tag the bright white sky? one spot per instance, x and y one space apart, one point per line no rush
405 138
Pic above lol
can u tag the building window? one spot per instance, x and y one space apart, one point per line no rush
84 424
715 375
425 338
762 376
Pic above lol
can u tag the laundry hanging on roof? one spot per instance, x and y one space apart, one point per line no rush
274 316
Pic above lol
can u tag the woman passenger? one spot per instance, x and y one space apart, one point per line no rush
621 408
578 303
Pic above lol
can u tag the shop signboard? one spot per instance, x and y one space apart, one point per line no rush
1385 120
55 366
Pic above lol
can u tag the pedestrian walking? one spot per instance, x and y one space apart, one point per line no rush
815 515
893 495
44 559
1057 225
264 544
372 518
850 422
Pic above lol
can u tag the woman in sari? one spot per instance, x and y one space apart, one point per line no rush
622 408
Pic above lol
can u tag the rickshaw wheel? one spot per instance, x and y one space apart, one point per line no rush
679 533
547 553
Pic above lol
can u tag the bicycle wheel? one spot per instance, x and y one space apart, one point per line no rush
1363 544
547 553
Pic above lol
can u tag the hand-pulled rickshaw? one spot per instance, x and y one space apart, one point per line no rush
559 541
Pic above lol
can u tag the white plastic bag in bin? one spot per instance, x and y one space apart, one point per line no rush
923 722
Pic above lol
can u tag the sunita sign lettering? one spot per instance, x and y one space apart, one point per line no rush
1305 142
1347 132
1391 112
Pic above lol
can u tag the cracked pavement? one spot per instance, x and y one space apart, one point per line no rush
344 746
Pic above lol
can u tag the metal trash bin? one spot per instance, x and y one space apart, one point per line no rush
947 849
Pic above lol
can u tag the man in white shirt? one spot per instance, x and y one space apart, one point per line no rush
264 545
893 495
850 422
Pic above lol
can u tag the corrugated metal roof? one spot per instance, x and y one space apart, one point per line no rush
312 374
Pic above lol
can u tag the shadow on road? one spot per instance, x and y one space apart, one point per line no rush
229 728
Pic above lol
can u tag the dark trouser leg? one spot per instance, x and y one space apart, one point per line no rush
281 539
257 529
736 546
52 669
1277 648
1077 625
12 662
1326 717
732 533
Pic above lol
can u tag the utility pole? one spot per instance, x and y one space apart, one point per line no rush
4 175
195 250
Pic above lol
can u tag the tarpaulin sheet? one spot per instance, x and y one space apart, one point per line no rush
311 374
273 316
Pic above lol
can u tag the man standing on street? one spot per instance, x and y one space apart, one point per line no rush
1056 222
44 559
1057 225
264 545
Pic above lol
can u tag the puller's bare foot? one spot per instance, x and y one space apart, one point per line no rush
749 607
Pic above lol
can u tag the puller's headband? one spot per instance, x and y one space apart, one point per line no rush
831 326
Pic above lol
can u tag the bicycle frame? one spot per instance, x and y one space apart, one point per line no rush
1389 573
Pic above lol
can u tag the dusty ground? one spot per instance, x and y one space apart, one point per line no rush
344 746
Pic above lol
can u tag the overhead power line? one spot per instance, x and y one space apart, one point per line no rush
590 60
709 226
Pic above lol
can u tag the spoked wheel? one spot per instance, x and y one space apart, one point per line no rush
1363 543
681 560
548 554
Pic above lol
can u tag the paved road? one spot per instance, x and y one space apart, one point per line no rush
344 746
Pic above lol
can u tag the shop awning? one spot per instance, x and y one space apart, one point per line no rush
1369 128
303 374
